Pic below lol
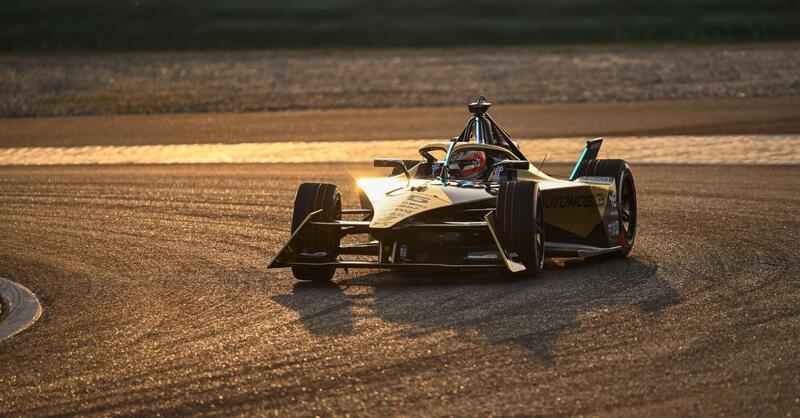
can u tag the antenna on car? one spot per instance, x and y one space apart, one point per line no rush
479 107
542 164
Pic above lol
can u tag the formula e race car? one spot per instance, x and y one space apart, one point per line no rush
473 203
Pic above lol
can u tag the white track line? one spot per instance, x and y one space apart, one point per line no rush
23 308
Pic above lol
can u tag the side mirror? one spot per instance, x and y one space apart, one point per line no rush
514 164
506 166
393 163
389 162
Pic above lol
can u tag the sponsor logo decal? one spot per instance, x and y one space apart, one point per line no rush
575 201
411 204
596 179
496 173
613 228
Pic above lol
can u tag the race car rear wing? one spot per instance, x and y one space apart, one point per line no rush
589 153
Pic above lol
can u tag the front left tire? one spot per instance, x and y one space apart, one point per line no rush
519 219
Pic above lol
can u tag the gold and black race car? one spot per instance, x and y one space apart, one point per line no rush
473 203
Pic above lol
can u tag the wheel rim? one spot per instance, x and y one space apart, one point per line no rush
627 208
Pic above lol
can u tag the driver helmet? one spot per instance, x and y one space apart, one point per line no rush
473 165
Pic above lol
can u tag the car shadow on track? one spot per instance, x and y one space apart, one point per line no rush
324 308
532 313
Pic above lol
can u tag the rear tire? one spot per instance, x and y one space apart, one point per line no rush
626 196
520 223
310 198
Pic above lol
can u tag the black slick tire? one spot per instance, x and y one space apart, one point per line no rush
626 196
310 198
519 219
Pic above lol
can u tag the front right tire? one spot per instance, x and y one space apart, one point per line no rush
312 197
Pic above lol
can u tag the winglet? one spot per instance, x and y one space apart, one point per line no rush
589 153
511 265
287 251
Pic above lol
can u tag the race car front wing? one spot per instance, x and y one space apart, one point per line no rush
387 251
388 248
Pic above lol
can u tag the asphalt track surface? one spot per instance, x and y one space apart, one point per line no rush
157 300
